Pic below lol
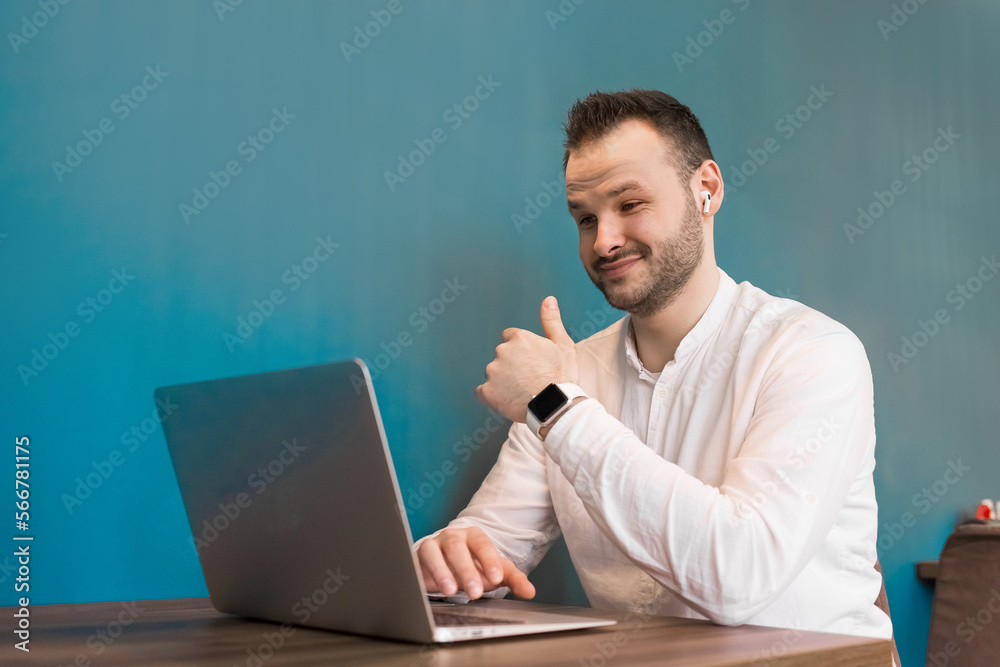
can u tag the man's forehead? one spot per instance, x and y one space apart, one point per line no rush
633 148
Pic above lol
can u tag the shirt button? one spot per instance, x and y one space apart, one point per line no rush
661 393
811 498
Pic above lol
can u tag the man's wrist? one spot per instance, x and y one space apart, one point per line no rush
547 405
545 428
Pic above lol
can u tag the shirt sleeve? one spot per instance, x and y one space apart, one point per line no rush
513 505
729 551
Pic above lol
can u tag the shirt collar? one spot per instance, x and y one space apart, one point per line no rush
725 296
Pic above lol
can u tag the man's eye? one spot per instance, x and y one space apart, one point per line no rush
586 221
629 205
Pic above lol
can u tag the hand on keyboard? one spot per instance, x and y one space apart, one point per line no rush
467 555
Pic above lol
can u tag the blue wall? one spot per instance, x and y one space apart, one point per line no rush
208 79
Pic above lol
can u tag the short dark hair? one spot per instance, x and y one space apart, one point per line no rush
600 113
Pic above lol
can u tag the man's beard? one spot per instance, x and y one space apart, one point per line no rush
671 268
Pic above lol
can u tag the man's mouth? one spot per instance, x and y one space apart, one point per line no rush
619 267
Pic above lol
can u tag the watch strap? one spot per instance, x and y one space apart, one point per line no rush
570 391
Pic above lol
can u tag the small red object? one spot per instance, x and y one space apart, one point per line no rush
985 510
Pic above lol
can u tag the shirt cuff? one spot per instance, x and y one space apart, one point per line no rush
566 451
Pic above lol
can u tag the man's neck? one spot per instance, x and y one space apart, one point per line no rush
658 335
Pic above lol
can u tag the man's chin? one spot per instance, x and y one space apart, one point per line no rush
621 299
621 293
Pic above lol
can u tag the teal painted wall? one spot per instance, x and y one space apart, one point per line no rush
208 80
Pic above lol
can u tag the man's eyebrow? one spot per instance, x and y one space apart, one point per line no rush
611 194
623 188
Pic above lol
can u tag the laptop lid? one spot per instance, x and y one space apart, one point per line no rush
293 502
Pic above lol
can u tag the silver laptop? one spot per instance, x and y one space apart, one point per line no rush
296 514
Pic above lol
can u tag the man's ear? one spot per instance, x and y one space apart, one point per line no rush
708 178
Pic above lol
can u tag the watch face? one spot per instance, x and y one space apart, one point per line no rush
545 404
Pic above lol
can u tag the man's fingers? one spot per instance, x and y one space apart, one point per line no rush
517 581
481 394
459 558
433 564
468 560
429 582
552 322
485 552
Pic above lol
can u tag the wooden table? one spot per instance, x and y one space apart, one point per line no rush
190 632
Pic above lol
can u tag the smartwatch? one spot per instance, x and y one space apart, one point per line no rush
549 403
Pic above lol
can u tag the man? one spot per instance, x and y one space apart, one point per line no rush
712 455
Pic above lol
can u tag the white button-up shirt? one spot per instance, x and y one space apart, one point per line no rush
735 485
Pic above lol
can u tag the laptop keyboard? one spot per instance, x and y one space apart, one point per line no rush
451 619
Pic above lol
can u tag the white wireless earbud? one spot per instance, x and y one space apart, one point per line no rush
708 200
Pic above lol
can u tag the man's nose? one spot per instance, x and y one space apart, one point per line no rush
610 236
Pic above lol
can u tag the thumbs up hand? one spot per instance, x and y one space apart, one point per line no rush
526 363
